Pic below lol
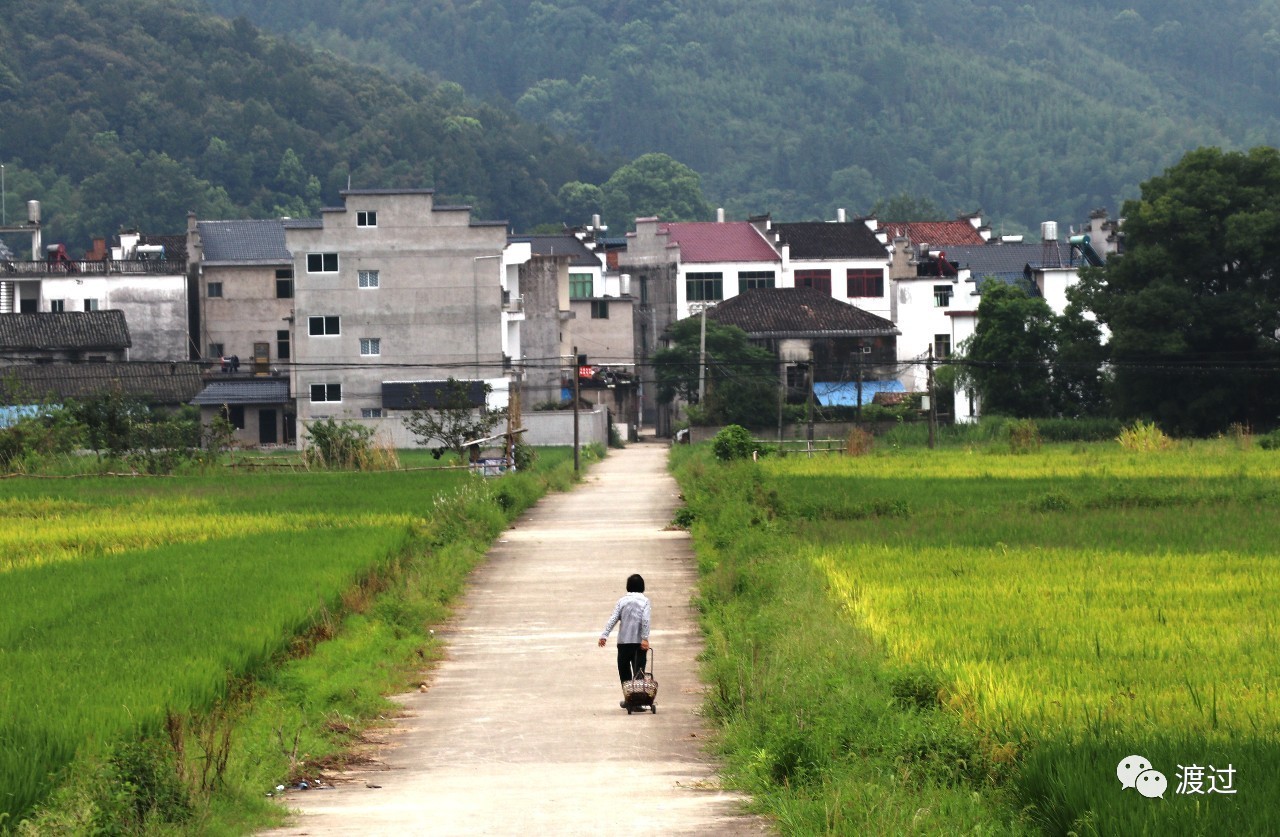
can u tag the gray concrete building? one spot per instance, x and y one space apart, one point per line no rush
391 289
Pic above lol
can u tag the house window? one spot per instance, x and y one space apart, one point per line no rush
216 350
91 305
326 392
941 346
941 296
370 346
57 305
322 263
862 282
234 414
324 326
580 286
282 344
819 280
751 280
215 290
370 412
704 287
369 279
367 218
599 309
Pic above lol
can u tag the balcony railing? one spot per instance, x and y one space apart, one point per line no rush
15 269
512 304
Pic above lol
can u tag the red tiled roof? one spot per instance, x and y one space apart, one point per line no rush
943 233
712 241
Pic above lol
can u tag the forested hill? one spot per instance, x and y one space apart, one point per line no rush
132 112
1027 109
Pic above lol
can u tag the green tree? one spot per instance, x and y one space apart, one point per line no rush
449 418
741 378
654 184
1008 358
903 208
1193 303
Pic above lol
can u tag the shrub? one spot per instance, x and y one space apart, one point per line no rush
334 444
1143 437
733 442
859 442
1024 436
1271 441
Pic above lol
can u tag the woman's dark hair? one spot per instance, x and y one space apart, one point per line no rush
635 584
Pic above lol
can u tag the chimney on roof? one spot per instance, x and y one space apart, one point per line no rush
840 215
720 215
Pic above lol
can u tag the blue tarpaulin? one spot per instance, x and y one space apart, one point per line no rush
10 416
845 394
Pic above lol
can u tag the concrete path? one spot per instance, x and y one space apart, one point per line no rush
520 731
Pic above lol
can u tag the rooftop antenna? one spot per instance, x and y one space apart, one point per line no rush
4 210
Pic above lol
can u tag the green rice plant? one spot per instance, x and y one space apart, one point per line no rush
1133 612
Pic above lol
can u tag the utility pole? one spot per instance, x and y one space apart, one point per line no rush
577 373
932 401
809 405
859 382
702 359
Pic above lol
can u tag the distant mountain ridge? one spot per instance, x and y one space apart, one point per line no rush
128 113
1028 110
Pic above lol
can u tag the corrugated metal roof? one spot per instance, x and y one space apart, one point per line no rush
264 391
243 241
53 330
798 312
165 383
712 241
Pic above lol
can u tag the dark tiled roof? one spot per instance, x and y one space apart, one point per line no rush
934 233
265 391
798 312
175 246
559 245
719 241
243 241
995 259
413 395
165 383
823 240
53 330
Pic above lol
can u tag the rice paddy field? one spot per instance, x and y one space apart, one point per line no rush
1080 609
125 600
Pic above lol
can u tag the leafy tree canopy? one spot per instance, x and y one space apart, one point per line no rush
453 421
654 184
1193 304
741 378
1009 354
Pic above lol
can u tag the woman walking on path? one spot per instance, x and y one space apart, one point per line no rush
633 612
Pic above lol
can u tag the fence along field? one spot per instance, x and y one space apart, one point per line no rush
1079 606
125 600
